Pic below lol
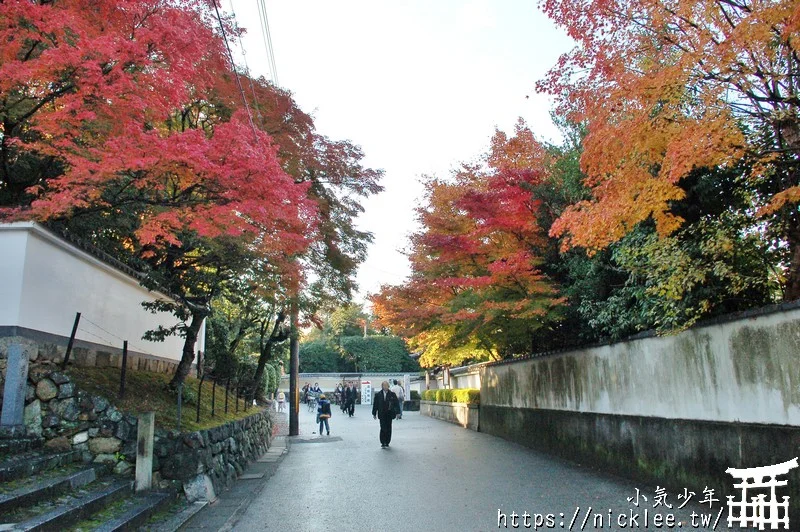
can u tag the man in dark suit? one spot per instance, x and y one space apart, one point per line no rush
350 399
383 408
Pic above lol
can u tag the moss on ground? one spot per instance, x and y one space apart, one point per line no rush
147 392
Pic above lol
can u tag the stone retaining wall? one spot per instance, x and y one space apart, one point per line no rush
69 419
466 415
221 453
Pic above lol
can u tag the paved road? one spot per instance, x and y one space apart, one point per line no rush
436 476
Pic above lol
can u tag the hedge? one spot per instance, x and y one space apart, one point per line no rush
459 395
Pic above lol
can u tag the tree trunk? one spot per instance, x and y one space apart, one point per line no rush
265 355
185 365
275 336
793 275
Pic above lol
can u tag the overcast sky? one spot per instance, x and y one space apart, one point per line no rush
420 85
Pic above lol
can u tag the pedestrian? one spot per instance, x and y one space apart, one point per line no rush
281 401
337 394
324 413
384 408
401 396
350 393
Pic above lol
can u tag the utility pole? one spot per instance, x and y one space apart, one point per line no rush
294 370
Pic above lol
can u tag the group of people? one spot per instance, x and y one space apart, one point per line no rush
387 405
307 390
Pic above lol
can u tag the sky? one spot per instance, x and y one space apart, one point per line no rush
420 85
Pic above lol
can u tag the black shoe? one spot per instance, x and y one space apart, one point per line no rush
329 433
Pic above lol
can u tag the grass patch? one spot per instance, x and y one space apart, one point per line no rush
146 392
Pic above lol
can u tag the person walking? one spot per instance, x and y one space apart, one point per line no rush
401 396
324 413
384 408
281 401
350 394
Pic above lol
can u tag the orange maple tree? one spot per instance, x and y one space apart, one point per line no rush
668 87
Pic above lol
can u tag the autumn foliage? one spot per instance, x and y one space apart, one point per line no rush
669 87
684 117
122 121
476 285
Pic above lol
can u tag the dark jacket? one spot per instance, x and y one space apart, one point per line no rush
384 408
324 407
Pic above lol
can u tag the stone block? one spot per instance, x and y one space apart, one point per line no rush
59 378
100 403
181 466
194 440
65 391
51 352
85 358
59 444
46 390
105 459
81 437
30 393
68 409
32 418
50 421
123 431
104 445
122 468
112 414
199 488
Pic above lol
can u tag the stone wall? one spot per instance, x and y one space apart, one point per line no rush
44 348
463 414
68 419
673 410
220 453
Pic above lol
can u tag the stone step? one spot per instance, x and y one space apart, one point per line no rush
137 511
77 508
29 464
17 446
47 488
175 520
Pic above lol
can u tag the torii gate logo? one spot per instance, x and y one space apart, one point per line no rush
760 510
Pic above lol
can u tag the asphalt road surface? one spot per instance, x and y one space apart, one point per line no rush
438 476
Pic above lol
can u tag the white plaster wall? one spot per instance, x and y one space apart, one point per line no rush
746 370
12 261
59 280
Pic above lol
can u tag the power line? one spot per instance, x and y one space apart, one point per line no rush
247 68
235 73
267 38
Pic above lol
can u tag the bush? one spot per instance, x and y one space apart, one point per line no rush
319 357
378 353
415 395
272 379
459 395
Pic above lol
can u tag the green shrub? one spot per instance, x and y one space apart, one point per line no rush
378 353
459 395
415 395
319 356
